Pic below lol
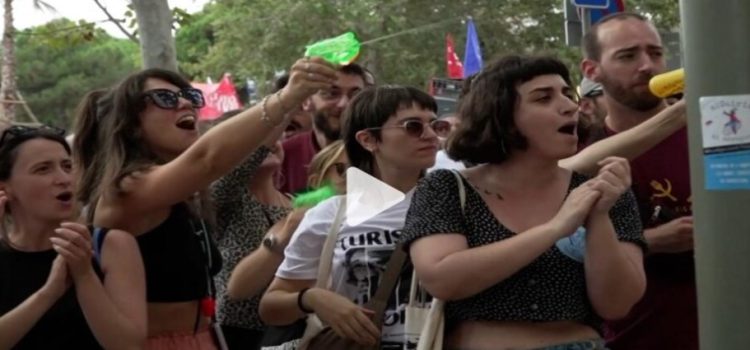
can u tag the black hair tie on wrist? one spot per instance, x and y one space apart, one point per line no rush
299 301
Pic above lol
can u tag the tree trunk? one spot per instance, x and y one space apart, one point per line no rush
8 76
155 33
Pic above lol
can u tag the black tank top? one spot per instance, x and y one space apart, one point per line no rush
63 326
175 260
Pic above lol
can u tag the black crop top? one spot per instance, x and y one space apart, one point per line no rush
551 288
63 326
174 258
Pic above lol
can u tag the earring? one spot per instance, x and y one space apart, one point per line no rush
502 147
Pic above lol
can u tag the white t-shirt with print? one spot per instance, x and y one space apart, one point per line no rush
359 259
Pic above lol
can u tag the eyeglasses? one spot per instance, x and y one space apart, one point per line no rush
416 128
21 130
168 99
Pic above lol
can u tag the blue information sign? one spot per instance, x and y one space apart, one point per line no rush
592 4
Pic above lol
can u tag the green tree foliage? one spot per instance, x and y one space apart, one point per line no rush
256 38
62 60
664 13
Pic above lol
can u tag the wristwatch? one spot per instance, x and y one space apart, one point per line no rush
272 243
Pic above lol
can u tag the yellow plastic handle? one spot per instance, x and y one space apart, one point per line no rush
668 84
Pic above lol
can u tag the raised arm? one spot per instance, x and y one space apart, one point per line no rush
115 310
615 278
631 143
17 322
225 145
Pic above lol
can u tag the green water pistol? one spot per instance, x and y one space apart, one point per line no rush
340 50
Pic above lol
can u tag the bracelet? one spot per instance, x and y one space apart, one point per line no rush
281 103
299 301
264 117
287 111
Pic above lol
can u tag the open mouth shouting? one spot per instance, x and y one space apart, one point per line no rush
187 122
569 129
65 197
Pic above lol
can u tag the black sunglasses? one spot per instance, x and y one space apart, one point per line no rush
21 131
168 99
416 128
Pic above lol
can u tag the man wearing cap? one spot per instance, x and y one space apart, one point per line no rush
592 105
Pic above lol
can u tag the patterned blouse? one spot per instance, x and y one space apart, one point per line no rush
241 222
551 288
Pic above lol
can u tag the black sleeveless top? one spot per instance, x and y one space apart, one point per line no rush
63 326
176 260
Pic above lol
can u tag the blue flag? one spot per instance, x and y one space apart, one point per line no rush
473 53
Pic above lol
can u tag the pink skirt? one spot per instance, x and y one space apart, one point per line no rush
180 340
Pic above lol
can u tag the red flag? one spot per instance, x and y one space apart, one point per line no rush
453 64
220 98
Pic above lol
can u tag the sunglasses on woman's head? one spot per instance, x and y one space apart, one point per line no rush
416 128
168 99
21 130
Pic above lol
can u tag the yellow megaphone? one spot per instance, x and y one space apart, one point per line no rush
668 84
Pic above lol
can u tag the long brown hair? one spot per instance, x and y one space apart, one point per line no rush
111 132
88 113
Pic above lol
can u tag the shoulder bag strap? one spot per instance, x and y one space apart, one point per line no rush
461 190
390 277
326 256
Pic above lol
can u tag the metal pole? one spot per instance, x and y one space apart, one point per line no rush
717 56
585 21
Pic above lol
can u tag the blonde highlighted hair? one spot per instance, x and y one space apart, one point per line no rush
322 162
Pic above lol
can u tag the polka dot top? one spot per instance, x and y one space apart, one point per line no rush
551 288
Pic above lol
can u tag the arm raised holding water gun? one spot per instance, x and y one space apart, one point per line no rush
637 140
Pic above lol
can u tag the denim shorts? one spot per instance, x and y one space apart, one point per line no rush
592 344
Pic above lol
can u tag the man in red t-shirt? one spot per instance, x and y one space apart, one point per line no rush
623 52
326 107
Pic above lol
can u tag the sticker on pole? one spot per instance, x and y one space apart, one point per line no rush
367 196
725 125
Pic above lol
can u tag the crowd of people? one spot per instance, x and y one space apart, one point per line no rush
557 217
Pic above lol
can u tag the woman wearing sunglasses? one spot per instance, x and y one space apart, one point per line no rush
149 165
390 133
504 261
52 291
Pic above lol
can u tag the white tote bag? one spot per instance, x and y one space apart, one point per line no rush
417 315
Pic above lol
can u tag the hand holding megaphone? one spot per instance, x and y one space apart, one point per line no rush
668 84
